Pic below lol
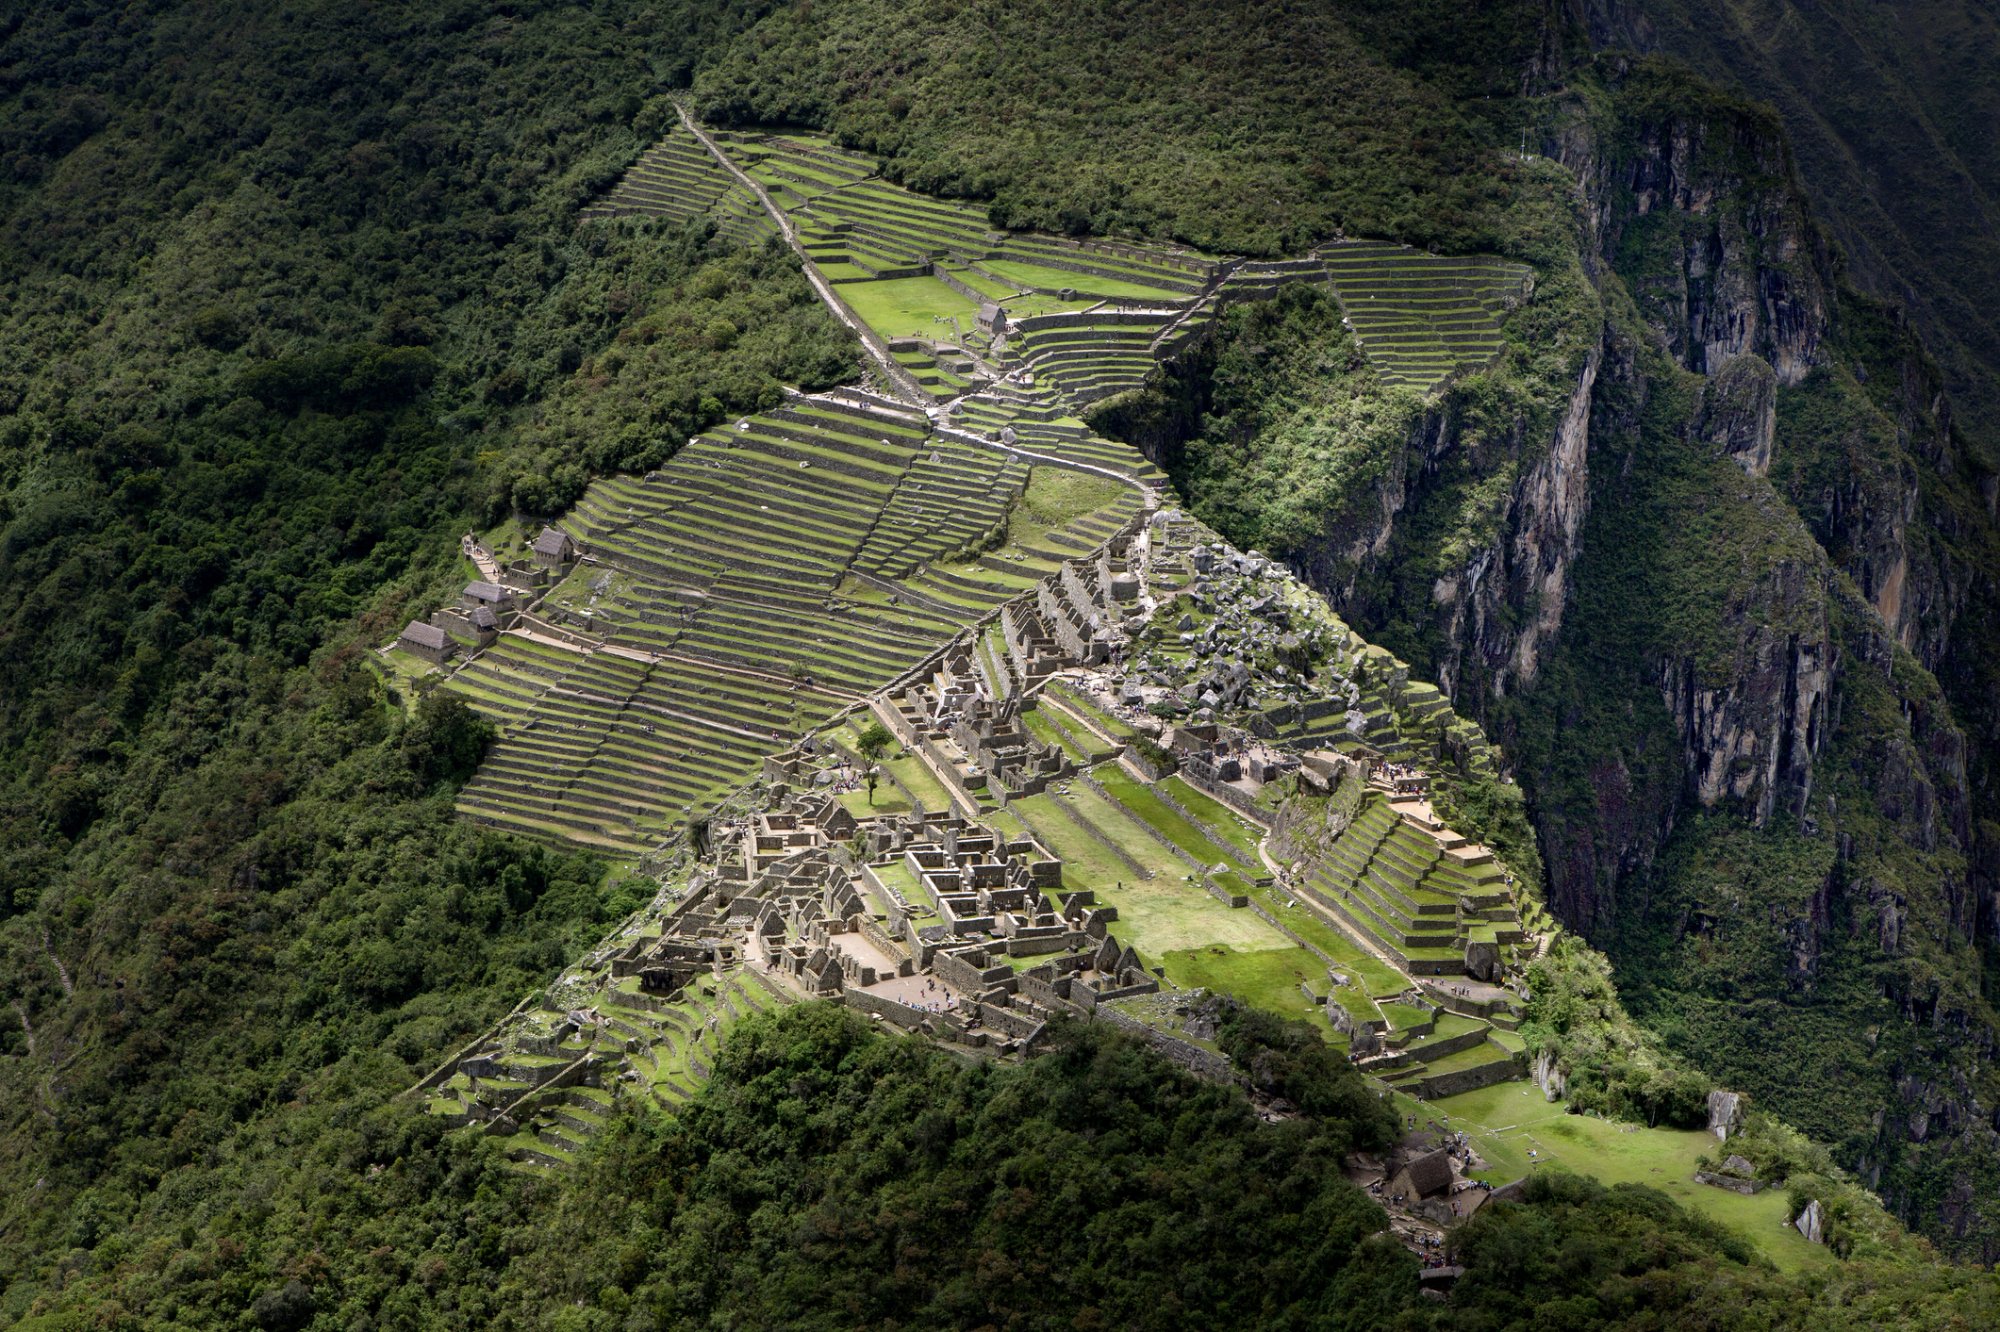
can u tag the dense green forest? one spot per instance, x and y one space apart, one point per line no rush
295 296
1254 128
300 298
832 1177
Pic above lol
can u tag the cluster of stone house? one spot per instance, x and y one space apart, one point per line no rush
994 751
886 912
486 607
1078 615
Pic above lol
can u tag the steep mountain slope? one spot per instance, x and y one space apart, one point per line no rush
1742 473
299 297
1895 117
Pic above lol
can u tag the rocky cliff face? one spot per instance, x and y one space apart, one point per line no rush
1498 609
1545 516
1751 735
1808 543
1699 210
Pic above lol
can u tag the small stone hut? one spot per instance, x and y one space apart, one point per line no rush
427 641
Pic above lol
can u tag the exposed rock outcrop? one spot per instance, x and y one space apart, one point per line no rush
1811 1222
1749 730
1739 413
1725 1113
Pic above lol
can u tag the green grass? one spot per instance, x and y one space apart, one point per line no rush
1141 800
908 307
888 800
1076 702
1158 916
1116 823
1477 1057
1266 978
1086 864
1355 1002
1057 496
1508 1119
1375 976
983 284
1055 279
1042 729
1038 303
912 771
899 876
1404 1016
1218 820
1009 824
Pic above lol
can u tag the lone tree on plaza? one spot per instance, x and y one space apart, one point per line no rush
873 742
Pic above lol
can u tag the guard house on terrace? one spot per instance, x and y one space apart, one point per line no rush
427 641
490 595
553 549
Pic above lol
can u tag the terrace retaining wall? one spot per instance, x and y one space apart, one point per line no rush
892 1010
1200 1062
1439 1085
1237 800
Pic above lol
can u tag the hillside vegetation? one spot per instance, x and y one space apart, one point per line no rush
296 296
833 1177
1253 128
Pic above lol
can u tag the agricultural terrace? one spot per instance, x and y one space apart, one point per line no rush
1421 318
775 571
1080 320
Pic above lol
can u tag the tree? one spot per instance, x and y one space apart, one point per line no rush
446 739
873 743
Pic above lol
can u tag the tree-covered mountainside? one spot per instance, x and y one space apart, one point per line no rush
288 293
295 296
833 1177
1703 545
1241 127
1893 115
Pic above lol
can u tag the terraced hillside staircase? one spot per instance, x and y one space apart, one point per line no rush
1414 897
776 570
1420 318
675 179
543 1100
785 565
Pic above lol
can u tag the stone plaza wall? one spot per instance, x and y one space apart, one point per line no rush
1200 1062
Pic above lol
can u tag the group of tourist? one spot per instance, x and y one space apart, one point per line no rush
948 1003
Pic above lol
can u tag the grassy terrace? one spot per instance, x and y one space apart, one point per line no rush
675 179
909 307
1218 820
1084 362
1042 426
1144 804
1064 696
847 215
1509 1120
908 769
1110 282
724 590
1269 978
1038 725
1174 923
597 759
897 874
1422 317
951 498
672 1046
